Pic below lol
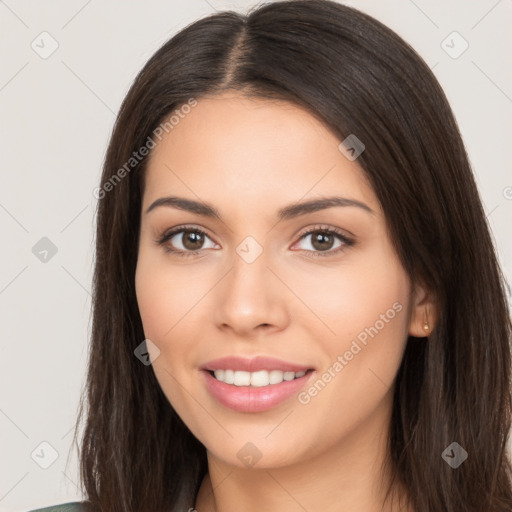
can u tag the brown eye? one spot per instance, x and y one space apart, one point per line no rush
185 241
192 240
322 241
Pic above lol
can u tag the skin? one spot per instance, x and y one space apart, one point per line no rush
249 158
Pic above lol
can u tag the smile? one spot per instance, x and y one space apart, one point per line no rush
254 384
256 379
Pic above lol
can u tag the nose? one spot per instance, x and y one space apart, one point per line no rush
251 299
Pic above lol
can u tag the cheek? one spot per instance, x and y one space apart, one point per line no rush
169 297
151 299
341 303
365 306
375 329
165 294
376 305
370 321
163 312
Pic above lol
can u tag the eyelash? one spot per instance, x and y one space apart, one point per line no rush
317 229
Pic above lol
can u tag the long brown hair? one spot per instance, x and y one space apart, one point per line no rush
358 77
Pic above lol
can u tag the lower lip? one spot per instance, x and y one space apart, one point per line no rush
253 399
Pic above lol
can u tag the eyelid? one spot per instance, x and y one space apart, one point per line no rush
347 241
343 233
166 235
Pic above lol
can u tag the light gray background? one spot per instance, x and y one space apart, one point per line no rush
56 116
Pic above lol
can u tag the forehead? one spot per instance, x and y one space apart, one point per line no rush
241 148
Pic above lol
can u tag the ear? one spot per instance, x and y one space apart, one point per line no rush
423 314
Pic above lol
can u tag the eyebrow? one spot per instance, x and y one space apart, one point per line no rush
289 212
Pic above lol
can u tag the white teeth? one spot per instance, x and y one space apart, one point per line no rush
259 379
242 378
256 379
275 377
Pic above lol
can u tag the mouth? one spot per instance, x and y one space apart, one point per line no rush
254 385
257 379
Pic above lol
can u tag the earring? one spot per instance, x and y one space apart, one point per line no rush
426 327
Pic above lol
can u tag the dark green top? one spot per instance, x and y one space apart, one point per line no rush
72 506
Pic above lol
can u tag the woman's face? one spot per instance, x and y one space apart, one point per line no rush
338 306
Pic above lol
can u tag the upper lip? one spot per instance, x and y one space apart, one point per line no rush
253 364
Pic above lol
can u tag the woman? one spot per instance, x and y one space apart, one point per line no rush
297 302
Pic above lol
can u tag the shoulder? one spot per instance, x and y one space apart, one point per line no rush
74 506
